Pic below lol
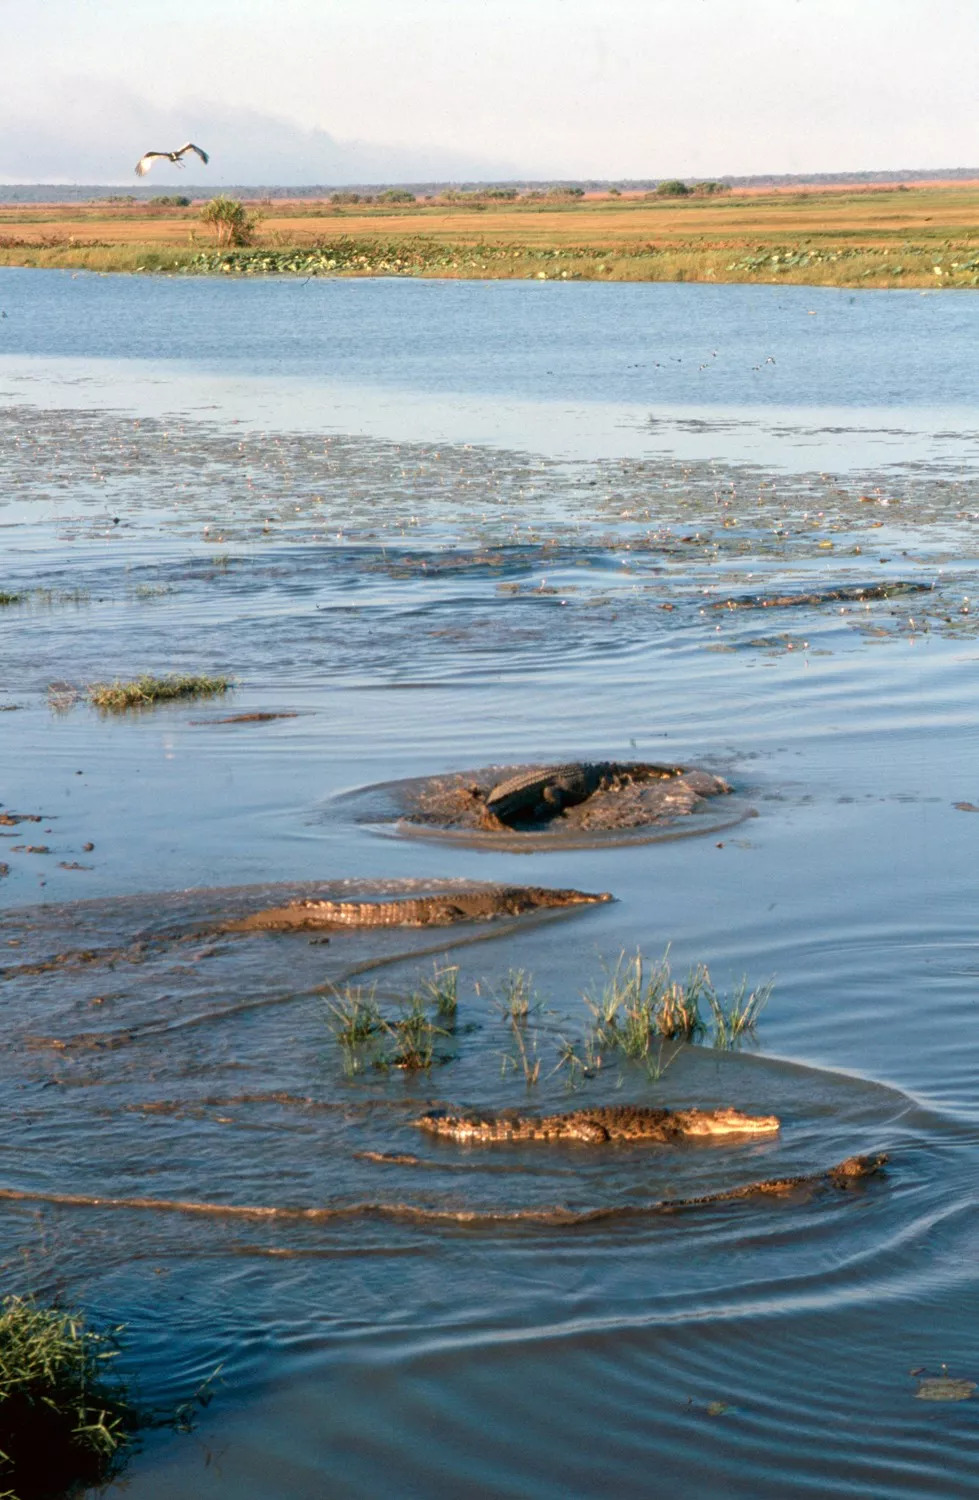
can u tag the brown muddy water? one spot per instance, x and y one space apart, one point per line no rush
483 526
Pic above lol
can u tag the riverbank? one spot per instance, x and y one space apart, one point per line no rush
921 237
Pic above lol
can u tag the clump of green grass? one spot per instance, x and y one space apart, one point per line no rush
735 1019
442 992
369 1038
354 1015
115 697
64 1420
641 1005
6 598
411 1038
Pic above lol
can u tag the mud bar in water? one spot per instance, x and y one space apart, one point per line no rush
624 1122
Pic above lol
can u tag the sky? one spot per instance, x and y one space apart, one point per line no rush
335 91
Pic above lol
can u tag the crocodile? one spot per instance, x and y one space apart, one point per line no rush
627 1122
440 910
543 792
855 594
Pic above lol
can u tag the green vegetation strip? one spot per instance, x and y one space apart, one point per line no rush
822 263
117 696
64 1419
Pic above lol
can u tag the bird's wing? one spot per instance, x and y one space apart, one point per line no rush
146 161
191 147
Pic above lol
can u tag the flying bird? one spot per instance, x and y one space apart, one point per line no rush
145 162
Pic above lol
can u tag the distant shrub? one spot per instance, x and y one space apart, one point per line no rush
396 195
344 197
672 188
170 200
614 192
230 221
709 188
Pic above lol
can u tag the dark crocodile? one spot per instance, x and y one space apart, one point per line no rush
596 1126
849 594
440 910
543 792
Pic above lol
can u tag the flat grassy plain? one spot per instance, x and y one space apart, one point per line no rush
916 236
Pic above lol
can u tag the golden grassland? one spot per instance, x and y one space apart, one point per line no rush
917 236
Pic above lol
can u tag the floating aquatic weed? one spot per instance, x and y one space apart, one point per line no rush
6 598
115 697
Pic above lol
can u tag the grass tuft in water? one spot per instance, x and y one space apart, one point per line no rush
369 1038
641 1003
737 1019
64 1420
442 992
116 697
411 1038
354 1015
6 598
517 1002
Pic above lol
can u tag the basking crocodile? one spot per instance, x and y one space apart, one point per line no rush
623 1122
440 910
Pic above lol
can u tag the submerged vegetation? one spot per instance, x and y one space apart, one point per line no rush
635 1015
64 1419
115 697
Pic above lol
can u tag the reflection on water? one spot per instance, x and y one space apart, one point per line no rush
527 539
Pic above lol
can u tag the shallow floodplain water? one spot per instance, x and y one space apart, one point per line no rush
445 525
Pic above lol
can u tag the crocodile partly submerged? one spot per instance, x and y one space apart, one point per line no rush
440 910
624 1122
544 791
558 799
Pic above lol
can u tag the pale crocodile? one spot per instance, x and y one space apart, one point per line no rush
604 1123
441 910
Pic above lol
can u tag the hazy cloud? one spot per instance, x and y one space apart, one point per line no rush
111 128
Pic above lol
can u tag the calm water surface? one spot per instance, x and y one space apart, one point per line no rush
449 524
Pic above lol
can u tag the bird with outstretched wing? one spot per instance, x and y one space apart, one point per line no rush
147 159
